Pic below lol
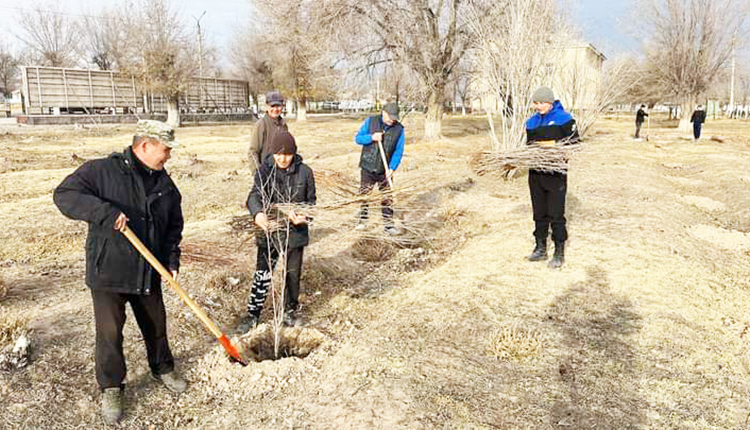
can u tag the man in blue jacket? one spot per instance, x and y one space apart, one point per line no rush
551 125
382 132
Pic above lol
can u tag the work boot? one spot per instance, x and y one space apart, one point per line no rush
173 381
248 323
290 318
540 251
558 258
111 405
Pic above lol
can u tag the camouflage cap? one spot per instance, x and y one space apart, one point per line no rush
158 130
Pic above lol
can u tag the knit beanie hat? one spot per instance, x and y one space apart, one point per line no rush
283 143
543 95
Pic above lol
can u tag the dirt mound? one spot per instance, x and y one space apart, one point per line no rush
705 203
727 239
219 375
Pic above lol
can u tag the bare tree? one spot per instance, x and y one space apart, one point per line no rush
589 94
462 84
251 57
513 57
301 63
160 53
427 36
9 63
690 42
51 35
108 36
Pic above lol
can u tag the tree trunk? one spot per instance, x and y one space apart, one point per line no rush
433 125
173 111
302 109
687 107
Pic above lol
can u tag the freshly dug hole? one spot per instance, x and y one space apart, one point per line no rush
373 250
299 342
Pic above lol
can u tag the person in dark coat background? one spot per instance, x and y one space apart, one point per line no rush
265 129
283 178
698 118
130 188
639 118
551 125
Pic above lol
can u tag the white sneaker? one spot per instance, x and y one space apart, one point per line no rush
392 230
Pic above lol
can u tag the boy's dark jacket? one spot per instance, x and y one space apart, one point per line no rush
96 193
272 185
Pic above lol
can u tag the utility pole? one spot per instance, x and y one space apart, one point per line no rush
200 59
731 85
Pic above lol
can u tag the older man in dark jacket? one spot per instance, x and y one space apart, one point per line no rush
128 188
282 179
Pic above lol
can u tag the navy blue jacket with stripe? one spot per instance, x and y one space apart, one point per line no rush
556 126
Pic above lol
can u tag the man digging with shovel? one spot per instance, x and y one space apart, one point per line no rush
128 188
382 139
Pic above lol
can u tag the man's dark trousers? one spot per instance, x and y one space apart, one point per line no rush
109 315
638 129
548 202
697 129
367 183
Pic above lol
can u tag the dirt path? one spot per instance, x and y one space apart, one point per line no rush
644 327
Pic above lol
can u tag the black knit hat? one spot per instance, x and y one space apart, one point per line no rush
283 143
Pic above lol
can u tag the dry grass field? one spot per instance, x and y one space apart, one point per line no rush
645 327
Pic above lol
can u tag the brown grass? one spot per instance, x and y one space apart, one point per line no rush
12 325
644 327
513 343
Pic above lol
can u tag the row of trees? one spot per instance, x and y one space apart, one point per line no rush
441 48
431 51
145 38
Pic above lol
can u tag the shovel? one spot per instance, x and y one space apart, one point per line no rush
234 355
385 164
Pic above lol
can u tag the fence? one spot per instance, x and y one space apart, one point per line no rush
57 90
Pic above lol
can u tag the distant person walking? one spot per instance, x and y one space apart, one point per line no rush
698 118
639 118
551 125
265 129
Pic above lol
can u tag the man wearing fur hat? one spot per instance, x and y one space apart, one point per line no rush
282 179
130 188
551 125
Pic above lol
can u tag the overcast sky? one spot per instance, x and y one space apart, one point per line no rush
603 23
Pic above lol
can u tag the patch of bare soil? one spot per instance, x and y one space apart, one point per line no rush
644 327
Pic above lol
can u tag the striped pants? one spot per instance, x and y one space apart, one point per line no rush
264 266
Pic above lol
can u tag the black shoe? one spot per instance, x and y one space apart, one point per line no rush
558 259
540 251
248 323
290 318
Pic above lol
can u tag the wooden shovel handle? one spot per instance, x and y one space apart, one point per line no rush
385 164
172 283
